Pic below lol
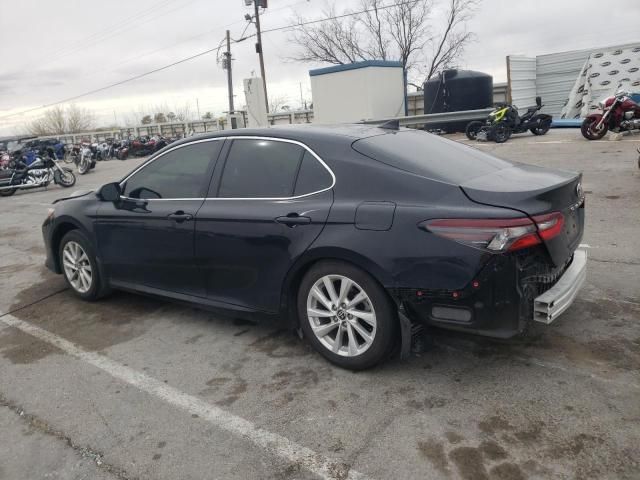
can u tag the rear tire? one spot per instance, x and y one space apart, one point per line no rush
472 129
356 323
7 193
542 128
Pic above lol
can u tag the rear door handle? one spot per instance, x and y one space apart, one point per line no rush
292 220
180 216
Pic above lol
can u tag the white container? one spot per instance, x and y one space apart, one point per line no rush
372 89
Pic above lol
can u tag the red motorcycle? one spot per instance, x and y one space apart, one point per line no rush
619 113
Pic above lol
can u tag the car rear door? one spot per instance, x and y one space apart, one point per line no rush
147 239
269 201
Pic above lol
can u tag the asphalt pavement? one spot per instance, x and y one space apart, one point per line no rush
133 387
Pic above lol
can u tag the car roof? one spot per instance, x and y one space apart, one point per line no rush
302 132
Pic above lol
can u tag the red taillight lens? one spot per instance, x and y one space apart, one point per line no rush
497 235
549 225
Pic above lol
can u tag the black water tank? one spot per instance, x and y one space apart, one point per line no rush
456 90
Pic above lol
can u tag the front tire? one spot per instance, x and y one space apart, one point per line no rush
83 166
472 129
589 130
80 267
66 178
501 133
346 315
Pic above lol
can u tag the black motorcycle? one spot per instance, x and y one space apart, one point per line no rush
505 120
40 173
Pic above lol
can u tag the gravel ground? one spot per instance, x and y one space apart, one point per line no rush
134 387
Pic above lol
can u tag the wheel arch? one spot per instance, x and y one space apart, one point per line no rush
289 293
63 226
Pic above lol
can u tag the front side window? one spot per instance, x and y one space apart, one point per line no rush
181 173
260 169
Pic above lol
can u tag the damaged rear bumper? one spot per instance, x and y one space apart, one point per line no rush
548 306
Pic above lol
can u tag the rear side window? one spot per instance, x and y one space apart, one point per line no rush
181 173
260 169
430 156
313 176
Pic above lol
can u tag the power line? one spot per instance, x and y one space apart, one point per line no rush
118 31
192 57
105 34
97 90
110 28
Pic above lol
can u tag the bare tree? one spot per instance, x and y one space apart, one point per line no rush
79 119
58 121
183 114
402 32
278 103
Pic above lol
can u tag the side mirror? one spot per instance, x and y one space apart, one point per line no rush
110 192
539 101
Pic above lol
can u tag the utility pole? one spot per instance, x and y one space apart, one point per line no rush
198 108
301 101
259 50
227 65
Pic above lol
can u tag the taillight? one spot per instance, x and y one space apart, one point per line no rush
498 235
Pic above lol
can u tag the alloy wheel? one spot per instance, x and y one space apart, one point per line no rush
77 267
341 315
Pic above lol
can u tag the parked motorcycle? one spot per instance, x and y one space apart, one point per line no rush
505 121
5 160
143 146
86 159
71 154
40 173
618 113
121 149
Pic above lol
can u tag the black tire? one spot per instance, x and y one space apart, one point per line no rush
66 180
7 193
83 166
472 129
98 288
542 128
501 133
386 329
589 131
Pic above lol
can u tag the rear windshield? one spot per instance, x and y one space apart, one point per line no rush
430 156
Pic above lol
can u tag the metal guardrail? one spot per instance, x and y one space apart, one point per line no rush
436 118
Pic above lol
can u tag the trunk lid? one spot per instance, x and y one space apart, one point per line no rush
535 191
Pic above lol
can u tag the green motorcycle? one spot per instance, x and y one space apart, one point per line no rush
505 121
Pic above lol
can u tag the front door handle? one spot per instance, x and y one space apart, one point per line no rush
292 220
180 216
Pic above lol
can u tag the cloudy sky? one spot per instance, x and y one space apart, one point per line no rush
60 48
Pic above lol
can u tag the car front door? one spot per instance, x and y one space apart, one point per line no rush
269 201
147 238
